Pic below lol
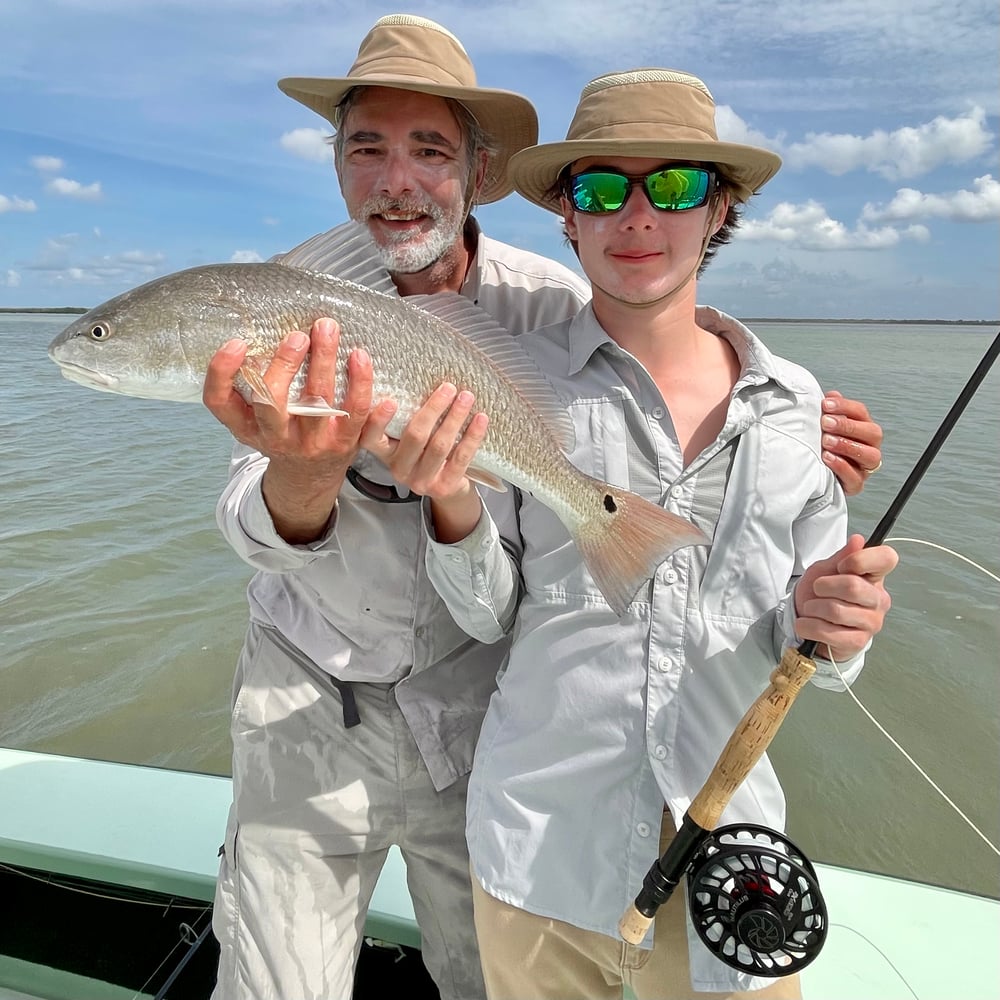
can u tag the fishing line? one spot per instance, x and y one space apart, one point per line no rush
930 781
888 961
885 733
951 552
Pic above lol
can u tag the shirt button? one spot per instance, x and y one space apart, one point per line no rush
643 829
658 412
660 752
676 491
455 557
486 543
419 631
663 664
670 576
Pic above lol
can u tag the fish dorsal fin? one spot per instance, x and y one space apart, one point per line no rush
347 252
504 351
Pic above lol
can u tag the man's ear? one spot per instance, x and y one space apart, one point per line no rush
481 169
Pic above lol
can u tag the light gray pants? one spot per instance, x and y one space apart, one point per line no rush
315 809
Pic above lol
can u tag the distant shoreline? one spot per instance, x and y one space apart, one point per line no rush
746 319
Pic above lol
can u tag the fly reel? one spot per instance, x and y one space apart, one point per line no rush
755 901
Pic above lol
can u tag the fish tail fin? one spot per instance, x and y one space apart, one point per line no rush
625 543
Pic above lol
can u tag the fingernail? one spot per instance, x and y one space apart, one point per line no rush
827 423
828 440
297 340
448 389
465 398
829 404
234 345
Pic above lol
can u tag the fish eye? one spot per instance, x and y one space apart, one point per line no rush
99 332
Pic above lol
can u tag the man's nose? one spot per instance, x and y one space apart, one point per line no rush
397 174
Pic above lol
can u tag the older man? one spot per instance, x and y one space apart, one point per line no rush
357 700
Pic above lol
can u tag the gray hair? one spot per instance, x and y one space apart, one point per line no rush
475 138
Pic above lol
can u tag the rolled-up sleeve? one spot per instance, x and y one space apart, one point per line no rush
478 577
246 523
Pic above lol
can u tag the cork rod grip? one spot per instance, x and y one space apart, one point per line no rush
751 738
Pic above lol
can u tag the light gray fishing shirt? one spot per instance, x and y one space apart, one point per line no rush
599 721
357 601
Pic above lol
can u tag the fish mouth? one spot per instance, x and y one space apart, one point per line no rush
86 376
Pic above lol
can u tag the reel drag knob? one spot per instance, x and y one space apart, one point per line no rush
755 901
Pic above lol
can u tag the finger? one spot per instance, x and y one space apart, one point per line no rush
854 458
873 564
851 421
358 392
284 366
835 642
465 451
374 434
321 376
219 394
442 442
835 403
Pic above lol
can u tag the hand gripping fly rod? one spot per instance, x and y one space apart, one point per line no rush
758 726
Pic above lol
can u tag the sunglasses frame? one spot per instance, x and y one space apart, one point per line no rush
379 492
641 180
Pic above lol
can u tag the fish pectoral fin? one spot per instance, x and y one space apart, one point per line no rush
486 479
314 406
259 393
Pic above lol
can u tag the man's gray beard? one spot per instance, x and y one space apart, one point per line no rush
408 255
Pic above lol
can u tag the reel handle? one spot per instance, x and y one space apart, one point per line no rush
745 747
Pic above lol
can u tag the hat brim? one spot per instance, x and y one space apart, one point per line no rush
534 171
508 118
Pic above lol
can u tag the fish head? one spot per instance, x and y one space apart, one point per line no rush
153 341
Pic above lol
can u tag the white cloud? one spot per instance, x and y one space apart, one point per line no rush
63 260
732 128
308 144
905 152
66 188
16 204
245 257
270 220
12 279
47 164
980 205
808 227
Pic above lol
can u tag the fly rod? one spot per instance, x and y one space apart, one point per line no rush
768 936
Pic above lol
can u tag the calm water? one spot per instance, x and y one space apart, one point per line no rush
122 610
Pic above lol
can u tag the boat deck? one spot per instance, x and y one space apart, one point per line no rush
160 830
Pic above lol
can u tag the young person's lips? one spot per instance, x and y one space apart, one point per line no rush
635 256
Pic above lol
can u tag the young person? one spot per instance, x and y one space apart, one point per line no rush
603 729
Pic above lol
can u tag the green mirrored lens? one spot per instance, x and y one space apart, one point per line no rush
674 189
678 188
599 192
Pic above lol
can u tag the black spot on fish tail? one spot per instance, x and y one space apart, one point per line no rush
609 503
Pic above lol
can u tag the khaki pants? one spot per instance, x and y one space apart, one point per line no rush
315 810
527 957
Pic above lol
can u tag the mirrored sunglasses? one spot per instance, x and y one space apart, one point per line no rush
670 189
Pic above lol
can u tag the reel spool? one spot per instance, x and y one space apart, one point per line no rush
755 901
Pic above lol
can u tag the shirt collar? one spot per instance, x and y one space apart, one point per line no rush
757 364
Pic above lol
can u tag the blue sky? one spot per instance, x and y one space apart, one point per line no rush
139 138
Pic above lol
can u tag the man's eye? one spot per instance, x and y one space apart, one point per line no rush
430 153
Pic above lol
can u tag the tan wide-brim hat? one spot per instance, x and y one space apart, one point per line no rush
646 112
413 53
